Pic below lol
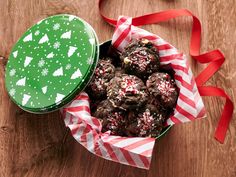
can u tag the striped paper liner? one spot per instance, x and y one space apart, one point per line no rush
134 151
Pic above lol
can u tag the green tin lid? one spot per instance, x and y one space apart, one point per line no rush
51 63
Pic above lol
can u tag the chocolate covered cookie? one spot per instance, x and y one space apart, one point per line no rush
104 72
140 58
163 88
115 122
112 118
126 92
103 109
146 123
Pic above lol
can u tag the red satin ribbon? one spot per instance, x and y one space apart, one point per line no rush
215 59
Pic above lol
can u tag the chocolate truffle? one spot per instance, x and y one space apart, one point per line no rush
146 123
162 87
104 72
140 58
126 92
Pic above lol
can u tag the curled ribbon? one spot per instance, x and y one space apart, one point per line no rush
215 59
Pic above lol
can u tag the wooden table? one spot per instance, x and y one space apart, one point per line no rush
40 145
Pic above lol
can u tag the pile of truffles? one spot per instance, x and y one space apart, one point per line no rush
134 96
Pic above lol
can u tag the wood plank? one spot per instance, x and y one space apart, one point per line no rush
40 145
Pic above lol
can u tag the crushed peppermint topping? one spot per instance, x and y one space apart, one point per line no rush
145 122
115 121
166 88
100 71
99 84
128 85
163 85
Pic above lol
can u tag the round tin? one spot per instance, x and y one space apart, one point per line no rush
51 63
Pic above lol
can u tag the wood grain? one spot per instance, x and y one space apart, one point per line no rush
40 145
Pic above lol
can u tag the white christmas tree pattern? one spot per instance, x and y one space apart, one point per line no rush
21 82
66 35
71 51
28 38
76 74
59 97
15 54
58 72
44 39
50 55
27 61
44 89
25 99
